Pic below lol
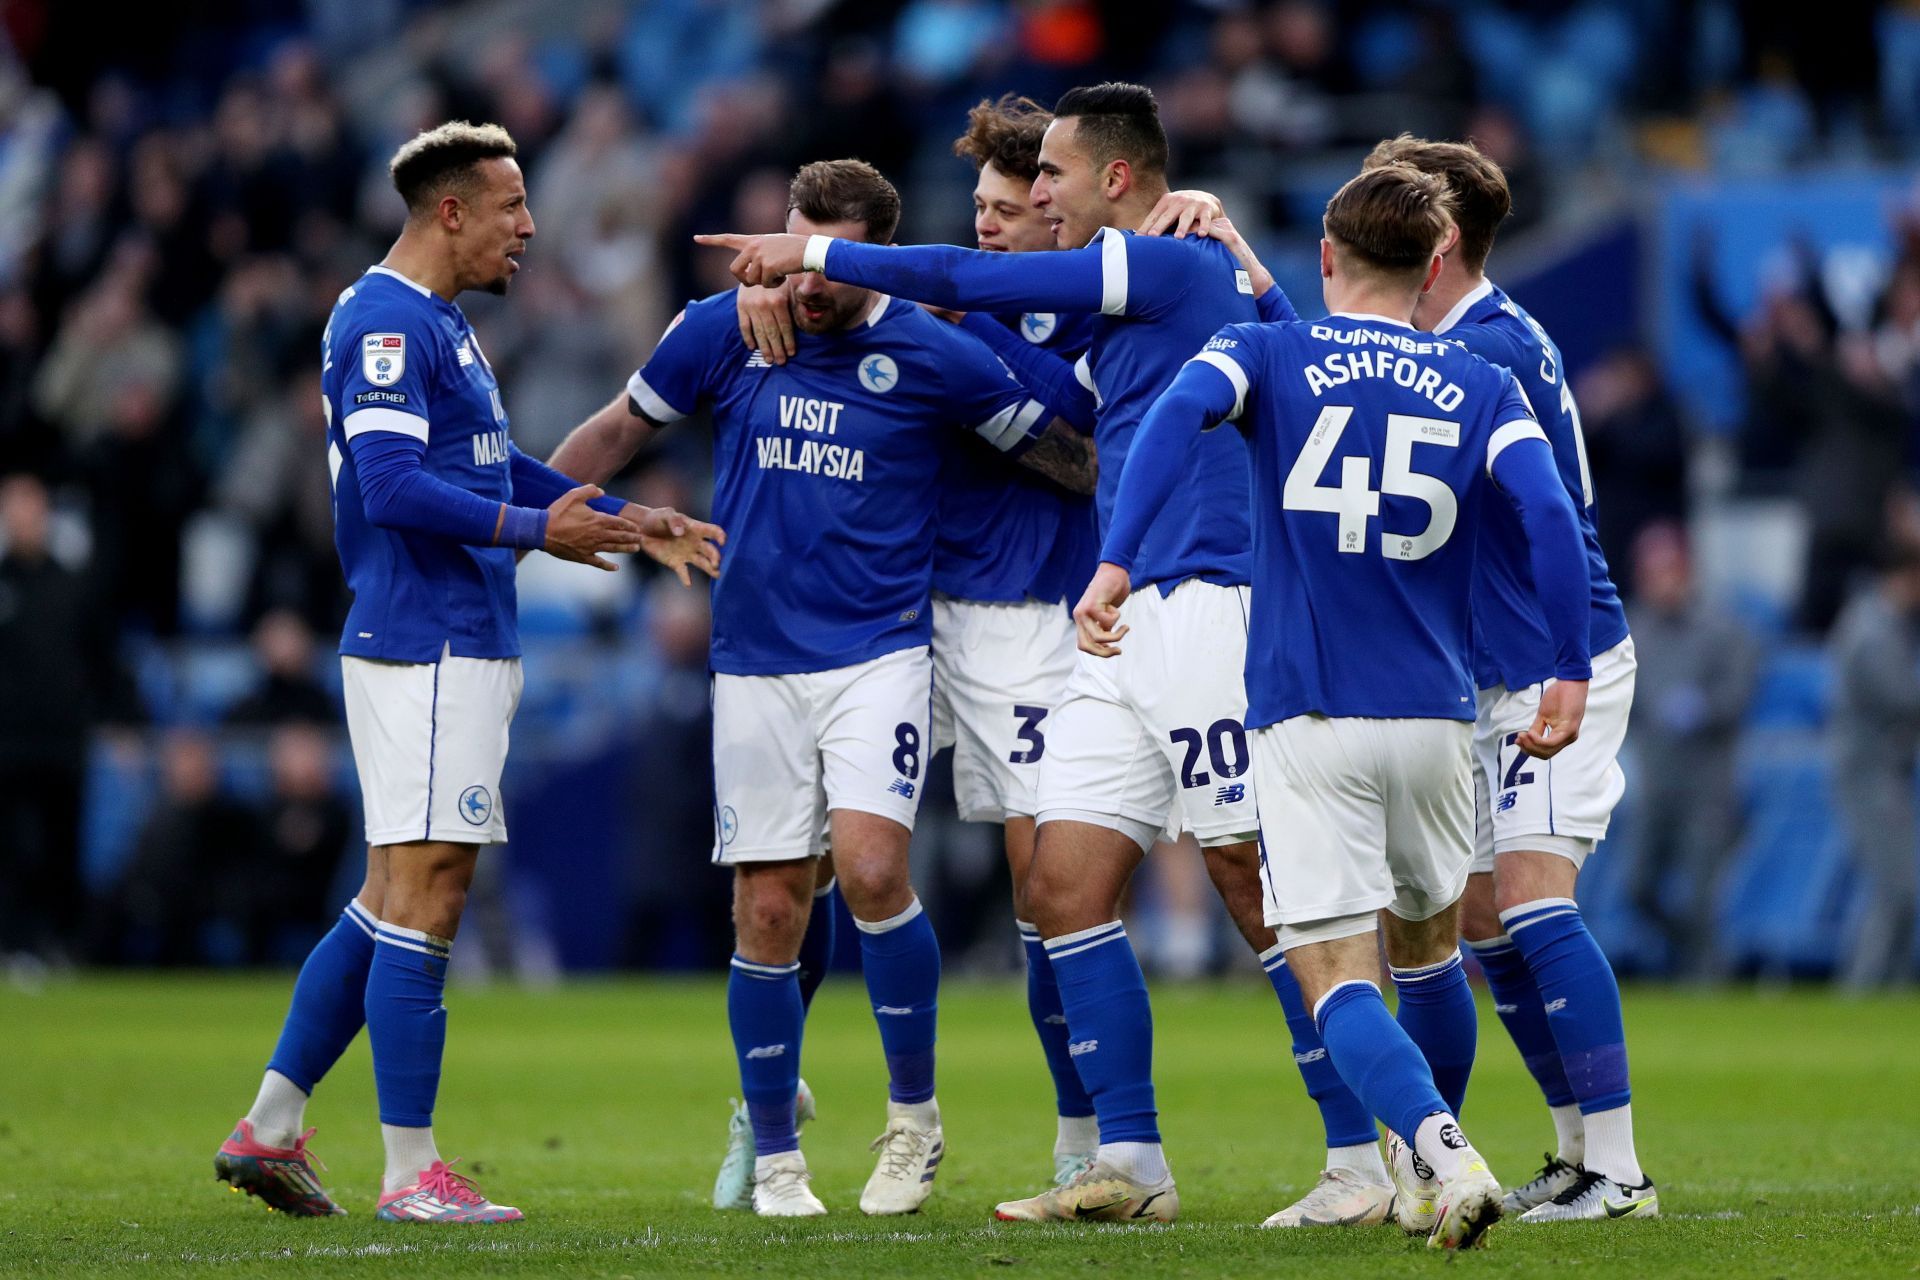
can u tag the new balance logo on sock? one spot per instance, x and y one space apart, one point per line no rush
892 1010
1079 1047
1311 1055
767 1051
1555 1006
1504 1009
1055 1019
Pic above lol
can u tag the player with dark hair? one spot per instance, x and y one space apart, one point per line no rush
426 480
827 468
1160 732
1539 821
1360 656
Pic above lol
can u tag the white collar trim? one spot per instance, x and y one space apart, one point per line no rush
406 280
1461 307
1369 316
879 309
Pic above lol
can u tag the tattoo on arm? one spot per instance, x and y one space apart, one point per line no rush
1065 457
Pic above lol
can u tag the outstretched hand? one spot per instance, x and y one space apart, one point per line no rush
576 532
678 541
760 260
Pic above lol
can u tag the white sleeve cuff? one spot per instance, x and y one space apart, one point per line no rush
815 258
1113 273
361 421
1235 374
1513 432
650 402
1013 424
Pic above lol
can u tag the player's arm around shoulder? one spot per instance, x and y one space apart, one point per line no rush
976 384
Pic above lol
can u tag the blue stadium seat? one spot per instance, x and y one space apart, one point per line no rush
1795 688
1782 907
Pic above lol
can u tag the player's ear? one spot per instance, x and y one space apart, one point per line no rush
1450 241
1433 270
1326 258
452 212
1117 179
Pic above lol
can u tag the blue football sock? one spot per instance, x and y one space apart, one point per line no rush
1109 1027
1438 1014
816 945
1581 998
1050 1023
1347 1121
1524 1014
406 1023
766 1015
329 1000
901 960
1375 1057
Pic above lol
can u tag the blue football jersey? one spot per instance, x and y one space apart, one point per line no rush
1164 299
1512 646
398 357
826 474
1372 449
1007 533
1158 301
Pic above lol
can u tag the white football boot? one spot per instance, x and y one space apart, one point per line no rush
1593 1197
781 1191
1467 1206
1101 1194
1069 1165
1415 1189
1555 1176
733 1185
910 1155
1339 1199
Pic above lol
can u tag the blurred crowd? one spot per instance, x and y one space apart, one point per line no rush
188 197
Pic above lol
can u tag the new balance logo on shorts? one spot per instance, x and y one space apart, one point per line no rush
901 787
1079 1047
767 1051
1311 1055
1230 795
1507 800
1555 1006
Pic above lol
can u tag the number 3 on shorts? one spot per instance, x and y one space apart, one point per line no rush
1029 733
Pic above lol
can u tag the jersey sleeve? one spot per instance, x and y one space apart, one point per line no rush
1520 462
967 279
1513 420
389 357
1143 276
983 395
680 372
1041 370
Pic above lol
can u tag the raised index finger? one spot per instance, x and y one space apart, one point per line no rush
723 240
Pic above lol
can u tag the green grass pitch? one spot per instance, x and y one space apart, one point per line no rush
1782 1127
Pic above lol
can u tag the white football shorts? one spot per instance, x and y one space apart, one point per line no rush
999 670
1359 814
1157 729
789 749
1562 805
429 742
